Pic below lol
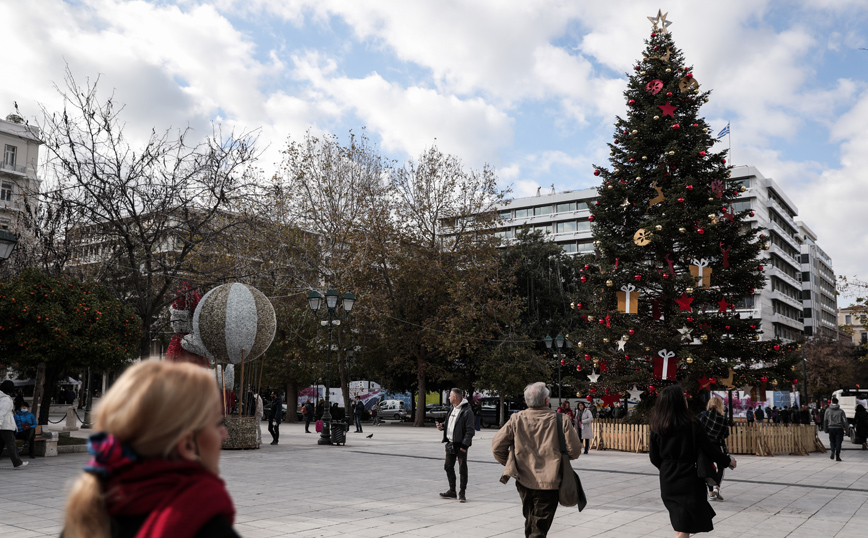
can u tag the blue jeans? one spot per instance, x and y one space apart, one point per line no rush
358 423
836 439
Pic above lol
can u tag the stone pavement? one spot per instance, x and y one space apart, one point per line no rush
388 486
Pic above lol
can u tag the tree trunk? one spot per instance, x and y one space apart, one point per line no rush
38 389
292 400
420 401
51 375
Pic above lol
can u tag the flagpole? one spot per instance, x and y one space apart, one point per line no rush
729 137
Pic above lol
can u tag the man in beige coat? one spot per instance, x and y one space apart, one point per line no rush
528 447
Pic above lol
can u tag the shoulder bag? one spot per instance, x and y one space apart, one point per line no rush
570 493
705 468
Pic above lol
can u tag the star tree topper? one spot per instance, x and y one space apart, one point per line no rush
660 23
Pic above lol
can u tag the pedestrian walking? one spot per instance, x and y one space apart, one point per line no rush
257 413
375 412
358 410
861 422
477 414
835 422
676 440
586 419
7 424
804 415
275 416
717 430
749 415
458 433
529 449
307 412
759 414
155 469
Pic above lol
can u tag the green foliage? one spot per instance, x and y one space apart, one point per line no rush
64 323
666 204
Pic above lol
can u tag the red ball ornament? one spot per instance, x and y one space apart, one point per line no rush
727 327
676 126
632 160
702 154
700 231
563 362
760 267
689 187
653 34
695 125
681 200
651 388
584 279
637 278
688 75
602 321
616 141
579 306
578 367
753 327
592 218
594 390
589 398
631 332
751 213
712 380
751 291
587 266
764 378
689 319
636 67
596 172
626 357
665 276
631 102
795 381
668 94
587 357
724 161
776 347
597 203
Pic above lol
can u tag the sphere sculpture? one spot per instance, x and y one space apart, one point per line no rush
231 320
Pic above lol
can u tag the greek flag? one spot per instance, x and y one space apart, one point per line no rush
723 132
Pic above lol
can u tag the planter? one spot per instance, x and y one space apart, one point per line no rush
242 433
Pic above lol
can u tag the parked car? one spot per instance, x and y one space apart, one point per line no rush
436 412
393 409
266 409
490 410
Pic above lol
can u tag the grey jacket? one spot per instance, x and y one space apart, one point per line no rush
835 417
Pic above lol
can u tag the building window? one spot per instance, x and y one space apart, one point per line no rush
864 338
806 258
568 226
542 210
6 192
506 214
848 320
521 213
569 206
545 228
583 226
9 155
586 246
569 248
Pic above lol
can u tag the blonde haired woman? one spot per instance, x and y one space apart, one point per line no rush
717 429
155 466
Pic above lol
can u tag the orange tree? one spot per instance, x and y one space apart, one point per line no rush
66 324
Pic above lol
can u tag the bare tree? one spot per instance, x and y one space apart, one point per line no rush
142 212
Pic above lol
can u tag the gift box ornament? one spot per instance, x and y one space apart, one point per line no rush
701 272
665 364
628 299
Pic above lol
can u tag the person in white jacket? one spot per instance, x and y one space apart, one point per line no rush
7 424
584 421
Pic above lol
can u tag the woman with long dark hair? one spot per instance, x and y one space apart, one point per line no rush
676 439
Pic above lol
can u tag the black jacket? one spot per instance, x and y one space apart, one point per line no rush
276 412
465 426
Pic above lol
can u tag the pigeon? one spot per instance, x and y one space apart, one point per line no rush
369 436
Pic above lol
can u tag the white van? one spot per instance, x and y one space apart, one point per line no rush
393 409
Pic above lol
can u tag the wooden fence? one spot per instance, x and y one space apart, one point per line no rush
758 439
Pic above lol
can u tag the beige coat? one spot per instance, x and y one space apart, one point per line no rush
528 446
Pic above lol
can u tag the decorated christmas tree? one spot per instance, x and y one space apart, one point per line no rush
669 293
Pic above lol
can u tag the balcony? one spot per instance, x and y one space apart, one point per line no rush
6 167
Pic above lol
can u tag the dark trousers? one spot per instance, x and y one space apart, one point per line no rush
358 422
539 507
307 418
836 439
29 436
274 429
7 437
461 456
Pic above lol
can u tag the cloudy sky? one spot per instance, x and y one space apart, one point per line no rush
530 87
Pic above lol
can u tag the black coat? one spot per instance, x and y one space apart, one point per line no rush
465 426
683 493
276 412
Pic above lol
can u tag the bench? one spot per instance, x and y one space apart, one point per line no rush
45 443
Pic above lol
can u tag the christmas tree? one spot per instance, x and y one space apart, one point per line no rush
668 294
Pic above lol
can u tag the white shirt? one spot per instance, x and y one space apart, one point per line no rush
450 425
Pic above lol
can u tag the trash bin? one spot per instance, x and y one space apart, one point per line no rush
339 432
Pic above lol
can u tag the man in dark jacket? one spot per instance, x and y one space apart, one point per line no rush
835 422
749 415
275 415
458 433
759 414
307 411
358 410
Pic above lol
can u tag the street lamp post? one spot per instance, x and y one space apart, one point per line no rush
331 318
7 244
559 343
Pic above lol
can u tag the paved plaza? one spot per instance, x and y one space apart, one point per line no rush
388 485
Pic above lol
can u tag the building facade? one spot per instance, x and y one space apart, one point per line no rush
20 146
850 321
799 296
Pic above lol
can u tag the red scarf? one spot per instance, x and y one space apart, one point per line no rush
179 497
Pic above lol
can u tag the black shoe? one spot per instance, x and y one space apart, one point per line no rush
838 458
461 497
274 442
449 494
831 456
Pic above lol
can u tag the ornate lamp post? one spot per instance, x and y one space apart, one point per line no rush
331 317
559 343
7 244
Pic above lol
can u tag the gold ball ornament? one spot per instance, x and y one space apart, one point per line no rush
596 361
742 189
644 158
766 246
793 367
611 153
706 99
578 395
597 243
658 227
710 199
572 306
671 153
626 337
774 382
635 131
689 360
682 229
704 337
756 337
609 283
580 345
605 340
642 72
656 117
609 187
668 70
711 216
591 318
689 291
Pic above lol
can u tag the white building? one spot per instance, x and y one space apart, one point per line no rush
20 145
799 295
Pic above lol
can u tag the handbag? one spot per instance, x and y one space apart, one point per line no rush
705 468
570 492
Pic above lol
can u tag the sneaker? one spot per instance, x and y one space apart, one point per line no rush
461 497
23 465
274 442
711 496
717 494
449 494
